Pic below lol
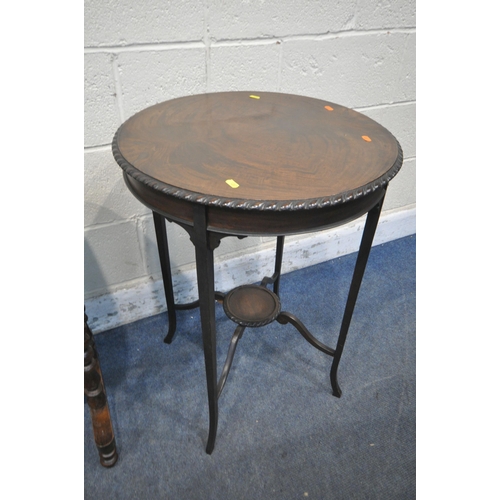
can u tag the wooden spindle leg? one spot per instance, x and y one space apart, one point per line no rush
98 404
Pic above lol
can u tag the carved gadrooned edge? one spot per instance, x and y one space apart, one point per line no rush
263 205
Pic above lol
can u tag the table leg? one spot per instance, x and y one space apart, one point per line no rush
275 278
96 398
359 269
205 274
161 239
280 243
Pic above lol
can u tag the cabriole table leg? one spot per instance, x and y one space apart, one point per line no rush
359 269
162 242
280 243
205 274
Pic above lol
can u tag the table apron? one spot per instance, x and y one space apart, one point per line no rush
238 221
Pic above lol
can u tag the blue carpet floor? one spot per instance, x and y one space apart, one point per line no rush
282 435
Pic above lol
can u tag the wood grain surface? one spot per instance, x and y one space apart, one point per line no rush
257 146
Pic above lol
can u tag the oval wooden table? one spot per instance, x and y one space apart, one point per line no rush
242 164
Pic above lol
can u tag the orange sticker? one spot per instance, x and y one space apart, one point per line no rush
329 108
366 138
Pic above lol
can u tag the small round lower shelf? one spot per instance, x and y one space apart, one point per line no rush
252 305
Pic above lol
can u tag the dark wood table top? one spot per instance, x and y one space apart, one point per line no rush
262 150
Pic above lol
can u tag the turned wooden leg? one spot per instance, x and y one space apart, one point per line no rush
98 404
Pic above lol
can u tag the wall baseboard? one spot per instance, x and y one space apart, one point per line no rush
147 299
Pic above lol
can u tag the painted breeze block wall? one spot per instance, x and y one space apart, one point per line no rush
360 54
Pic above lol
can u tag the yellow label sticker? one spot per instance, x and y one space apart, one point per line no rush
366 138
255 96
232 183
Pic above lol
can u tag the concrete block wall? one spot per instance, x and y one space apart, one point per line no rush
359 54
